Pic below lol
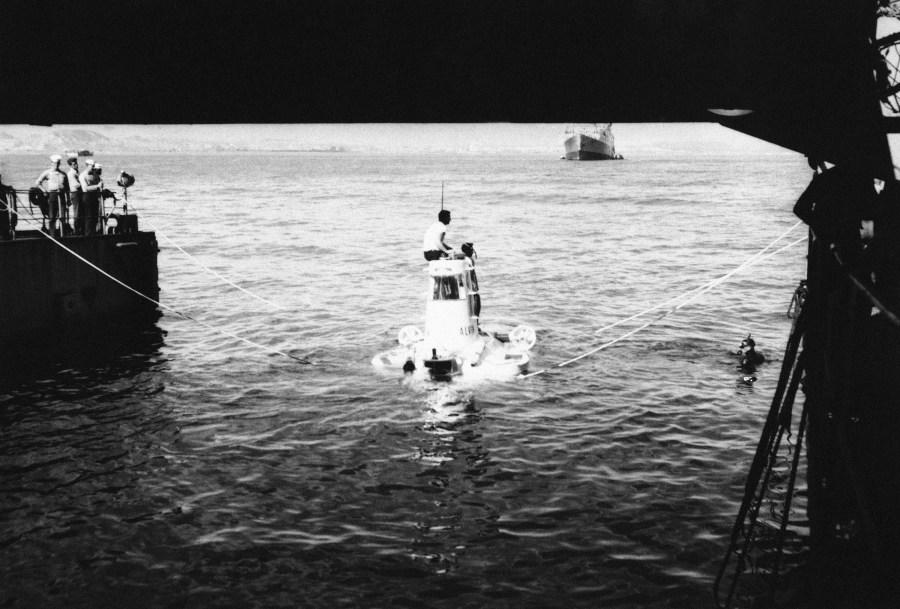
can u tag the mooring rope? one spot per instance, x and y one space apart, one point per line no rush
681 300
705 287
274 305
167 307
207 269
200 264
685 299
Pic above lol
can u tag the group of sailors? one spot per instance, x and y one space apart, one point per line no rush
71 189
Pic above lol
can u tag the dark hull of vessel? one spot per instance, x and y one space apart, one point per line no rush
582 147
44 288
585 155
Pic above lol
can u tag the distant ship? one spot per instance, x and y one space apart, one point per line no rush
591 144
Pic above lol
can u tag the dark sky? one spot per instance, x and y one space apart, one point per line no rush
148 61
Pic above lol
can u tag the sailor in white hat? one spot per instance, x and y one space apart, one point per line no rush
55 188
87 169
91 187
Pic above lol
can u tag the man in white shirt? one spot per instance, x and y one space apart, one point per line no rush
56 191
433 244
74 191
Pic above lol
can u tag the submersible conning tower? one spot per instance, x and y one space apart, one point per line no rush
454 343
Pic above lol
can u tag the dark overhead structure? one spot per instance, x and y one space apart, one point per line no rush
408 60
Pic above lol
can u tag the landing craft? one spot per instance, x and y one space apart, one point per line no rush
454 343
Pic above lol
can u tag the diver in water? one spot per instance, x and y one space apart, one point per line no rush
750 357
433 244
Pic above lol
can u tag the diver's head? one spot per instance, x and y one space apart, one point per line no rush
444 216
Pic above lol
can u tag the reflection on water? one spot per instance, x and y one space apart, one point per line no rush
118 348
453 457
448 407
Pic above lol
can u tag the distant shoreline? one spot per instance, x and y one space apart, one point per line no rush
633 140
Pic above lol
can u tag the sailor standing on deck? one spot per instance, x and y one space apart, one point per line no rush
74 191
91 186
433 243
55 189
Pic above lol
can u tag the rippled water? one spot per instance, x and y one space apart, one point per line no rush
175 466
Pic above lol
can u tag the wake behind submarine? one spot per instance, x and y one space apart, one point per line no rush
453 342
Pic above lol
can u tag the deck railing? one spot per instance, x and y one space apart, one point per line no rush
25 216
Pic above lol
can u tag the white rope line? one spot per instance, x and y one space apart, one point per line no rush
727 276
686 298
730 274
206 268
168 308
751 260
596 349
213 272
691 295
769 255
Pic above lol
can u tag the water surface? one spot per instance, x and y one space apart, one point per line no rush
178 467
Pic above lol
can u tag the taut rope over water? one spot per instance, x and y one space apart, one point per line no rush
685 298
705 287
209 270
168 308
